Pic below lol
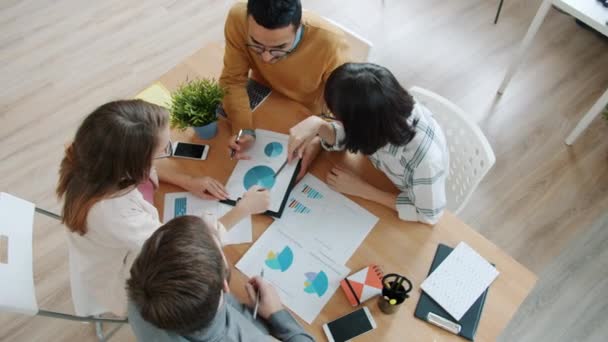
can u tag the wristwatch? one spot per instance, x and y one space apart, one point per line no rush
250 132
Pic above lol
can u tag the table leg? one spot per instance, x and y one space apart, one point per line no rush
532 30
595 110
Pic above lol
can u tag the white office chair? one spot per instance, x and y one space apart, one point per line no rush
471 155
17 292
360 47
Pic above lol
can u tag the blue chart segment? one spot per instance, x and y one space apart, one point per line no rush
273 149
311 193
259 175
281 261
316 283
180 206
298 207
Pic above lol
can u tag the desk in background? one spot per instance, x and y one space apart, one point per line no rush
592 13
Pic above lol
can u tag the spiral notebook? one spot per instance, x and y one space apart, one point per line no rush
363 285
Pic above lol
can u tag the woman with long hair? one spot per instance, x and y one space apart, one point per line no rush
376 116
108 219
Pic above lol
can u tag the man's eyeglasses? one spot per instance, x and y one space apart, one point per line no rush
277 53
167 152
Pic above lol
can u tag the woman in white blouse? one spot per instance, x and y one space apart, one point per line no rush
108 218
377 117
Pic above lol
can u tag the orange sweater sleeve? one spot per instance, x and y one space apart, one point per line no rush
236 70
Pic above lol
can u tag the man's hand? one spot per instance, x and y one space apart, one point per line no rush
269 298
206 188
245 142
342 180
310 153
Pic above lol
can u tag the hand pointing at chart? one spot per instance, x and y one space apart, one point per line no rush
305 141
301 135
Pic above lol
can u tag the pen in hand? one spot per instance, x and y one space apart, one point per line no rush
257 298
233 151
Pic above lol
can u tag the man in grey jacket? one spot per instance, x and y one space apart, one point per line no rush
178 291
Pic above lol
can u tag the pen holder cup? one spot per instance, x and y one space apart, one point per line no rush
391 299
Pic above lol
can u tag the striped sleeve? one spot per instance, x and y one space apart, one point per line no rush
425 199
340 135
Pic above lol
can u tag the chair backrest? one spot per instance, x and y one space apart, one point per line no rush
360 47
471 155
17 293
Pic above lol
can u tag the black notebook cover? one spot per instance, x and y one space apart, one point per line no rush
426 304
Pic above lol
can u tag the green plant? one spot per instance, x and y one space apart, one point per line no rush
194 103
606 113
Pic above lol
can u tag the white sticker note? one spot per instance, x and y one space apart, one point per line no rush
459 280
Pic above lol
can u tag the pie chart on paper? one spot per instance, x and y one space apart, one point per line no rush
316 283
281 261
260 175
273 149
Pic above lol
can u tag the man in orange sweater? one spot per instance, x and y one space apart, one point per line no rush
290 51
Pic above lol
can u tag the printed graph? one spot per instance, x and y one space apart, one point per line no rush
273 149
298 207
311 192
281 261
259 175
316 283
180 206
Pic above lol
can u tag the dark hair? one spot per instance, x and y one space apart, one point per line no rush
177 278
112 150
274 14
372 106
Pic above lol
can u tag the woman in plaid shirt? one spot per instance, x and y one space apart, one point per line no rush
376 116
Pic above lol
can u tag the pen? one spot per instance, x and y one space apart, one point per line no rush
280 169
233 151
257 298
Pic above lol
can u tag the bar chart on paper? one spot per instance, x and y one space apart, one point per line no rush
311 192
181 206
298 207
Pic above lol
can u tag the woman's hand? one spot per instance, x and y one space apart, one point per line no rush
344 181
255 201
301 135
206 188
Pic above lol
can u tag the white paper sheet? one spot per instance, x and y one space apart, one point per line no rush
185 203
305 280
326 221
267 155
459 280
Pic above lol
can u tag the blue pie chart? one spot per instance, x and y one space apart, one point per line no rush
259 175
273 149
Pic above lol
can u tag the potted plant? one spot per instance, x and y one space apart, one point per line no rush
194 104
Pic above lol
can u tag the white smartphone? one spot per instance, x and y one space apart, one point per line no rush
350 326
190 151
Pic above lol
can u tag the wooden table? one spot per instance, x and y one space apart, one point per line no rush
403 247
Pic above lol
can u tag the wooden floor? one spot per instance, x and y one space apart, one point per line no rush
60 59
578 275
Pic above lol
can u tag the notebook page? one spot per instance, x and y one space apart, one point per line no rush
459 280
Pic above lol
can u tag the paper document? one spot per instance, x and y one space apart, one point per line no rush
459 280
185 203
304 279
267 155
325 220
